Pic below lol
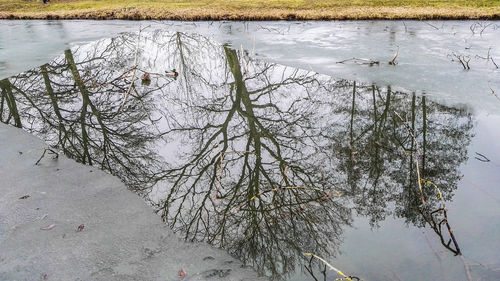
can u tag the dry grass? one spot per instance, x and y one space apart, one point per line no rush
250 9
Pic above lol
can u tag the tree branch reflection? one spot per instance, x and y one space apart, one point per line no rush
266 161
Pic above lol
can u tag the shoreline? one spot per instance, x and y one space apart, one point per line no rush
252 14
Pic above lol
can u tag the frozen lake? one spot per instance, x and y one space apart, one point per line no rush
283 138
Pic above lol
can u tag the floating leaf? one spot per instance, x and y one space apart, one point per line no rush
181 273
80 228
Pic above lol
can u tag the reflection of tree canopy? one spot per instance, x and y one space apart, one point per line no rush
250 176
375 150
75 106
263 160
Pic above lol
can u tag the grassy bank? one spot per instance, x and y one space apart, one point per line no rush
250 9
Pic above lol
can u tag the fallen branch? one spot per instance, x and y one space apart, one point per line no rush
45 151
488 58
464 60
393 61
493 92
436 226
344 277
361 61
435 27
494 63
410 131
445 215
311 271
482 158
479 25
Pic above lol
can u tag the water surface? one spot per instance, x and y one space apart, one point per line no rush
270 161
427 57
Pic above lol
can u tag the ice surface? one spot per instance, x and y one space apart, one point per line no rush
122 238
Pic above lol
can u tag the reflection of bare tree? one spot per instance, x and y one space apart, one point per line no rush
266 161
379 149
74 105
8 102
250 179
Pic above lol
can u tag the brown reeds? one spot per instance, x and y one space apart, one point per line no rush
248 10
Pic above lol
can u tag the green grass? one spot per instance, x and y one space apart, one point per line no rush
250 9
